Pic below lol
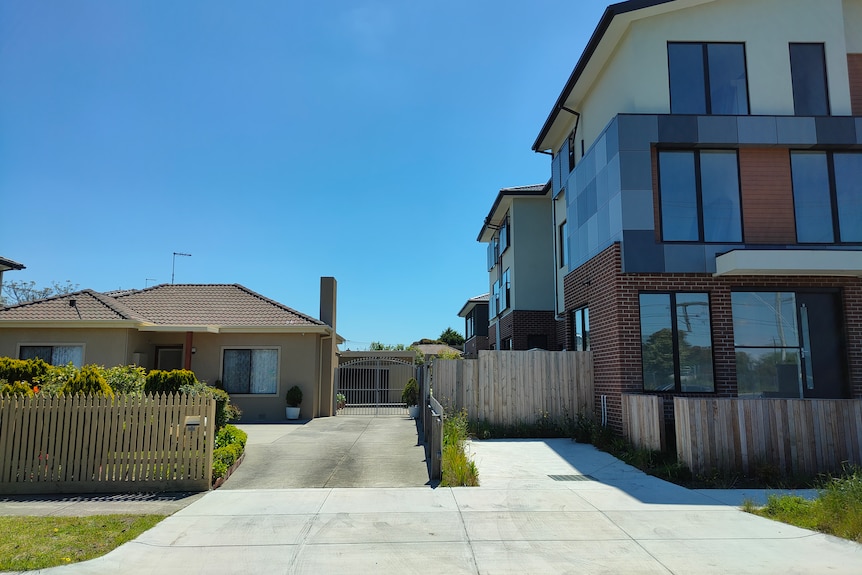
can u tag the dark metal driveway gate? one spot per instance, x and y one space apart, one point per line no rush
373 386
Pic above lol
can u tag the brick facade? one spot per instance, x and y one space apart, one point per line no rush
612 298
520 325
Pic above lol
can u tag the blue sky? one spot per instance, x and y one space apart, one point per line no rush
277 142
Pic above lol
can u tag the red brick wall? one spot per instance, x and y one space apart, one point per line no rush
615 322
528 322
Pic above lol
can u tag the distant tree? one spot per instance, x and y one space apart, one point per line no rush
17 292
377 346
451 337
425 341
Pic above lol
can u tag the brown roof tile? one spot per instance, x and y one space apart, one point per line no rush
88 305
211 304
180 304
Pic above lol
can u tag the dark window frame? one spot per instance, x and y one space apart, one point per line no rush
698 184
563 242
707 87
833 195
571 142
825 78
581 315
677 369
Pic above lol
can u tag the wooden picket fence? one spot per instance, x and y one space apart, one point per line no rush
93 444
795 436
643 420
516 387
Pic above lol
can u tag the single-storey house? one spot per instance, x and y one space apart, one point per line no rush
255 347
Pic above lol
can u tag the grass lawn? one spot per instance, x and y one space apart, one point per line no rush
40 542
837 511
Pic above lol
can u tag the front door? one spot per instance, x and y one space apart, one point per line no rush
823 353
169 358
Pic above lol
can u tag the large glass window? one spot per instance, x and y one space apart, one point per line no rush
505 291
54 354
250 371
676 342
581 329
707 78
766 337
505 234
808 74
699 192
827 190
562 239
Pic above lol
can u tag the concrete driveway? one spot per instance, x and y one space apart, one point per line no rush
342 451
545 506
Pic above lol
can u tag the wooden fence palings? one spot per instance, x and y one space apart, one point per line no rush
793 435
643 420
514 387
98 444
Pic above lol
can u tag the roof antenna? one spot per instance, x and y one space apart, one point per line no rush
174 263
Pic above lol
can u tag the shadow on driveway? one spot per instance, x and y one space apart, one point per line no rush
341 451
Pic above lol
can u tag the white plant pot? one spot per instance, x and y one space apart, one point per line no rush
291 412
413 411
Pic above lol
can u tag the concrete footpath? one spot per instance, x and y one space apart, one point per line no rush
545 506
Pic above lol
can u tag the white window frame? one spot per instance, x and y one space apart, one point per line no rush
277 348
83 347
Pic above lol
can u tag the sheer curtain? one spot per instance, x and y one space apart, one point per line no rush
264 374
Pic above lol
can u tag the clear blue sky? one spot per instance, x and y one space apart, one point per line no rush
277 142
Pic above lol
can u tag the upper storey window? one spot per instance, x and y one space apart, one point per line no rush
808 72
707 78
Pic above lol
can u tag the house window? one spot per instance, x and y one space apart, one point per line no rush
537 341
808 74
562 234
504 234
494 301
581 329
699 195
505 291
493 252
676 342
766 338
571 143
250 371
827 190
54 354
469 327
707 78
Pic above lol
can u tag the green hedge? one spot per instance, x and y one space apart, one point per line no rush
26 370
159 381
229 446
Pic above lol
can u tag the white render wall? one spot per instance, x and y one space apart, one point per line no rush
635 79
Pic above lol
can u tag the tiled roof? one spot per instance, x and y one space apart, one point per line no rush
212 304
436 348
481 298
82 305
180 304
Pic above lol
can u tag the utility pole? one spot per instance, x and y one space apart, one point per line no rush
174 263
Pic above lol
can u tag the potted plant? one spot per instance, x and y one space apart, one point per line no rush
340 401
410 397
293 399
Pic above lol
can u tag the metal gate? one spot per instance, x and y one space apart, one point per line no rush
372 386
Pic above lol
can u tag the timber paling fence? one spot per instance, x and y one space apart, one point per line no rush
95 444
509 388
643 421
799 436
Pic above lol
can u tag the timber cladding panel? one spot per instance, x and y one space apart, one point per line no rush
86 444
854 68
796 436
509 388
767 196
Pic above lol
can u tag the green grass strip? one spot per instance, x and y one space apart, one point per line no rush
41 542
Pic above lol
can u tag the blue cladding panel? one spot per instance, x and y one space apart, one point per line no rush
612 139
636 133
717 130
638 210
684 258
796 131
641 253
757 130
859 130
635 170
602 192
678 129
836 130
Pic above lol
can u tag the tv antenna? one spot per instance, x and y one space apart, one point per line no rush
174 263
